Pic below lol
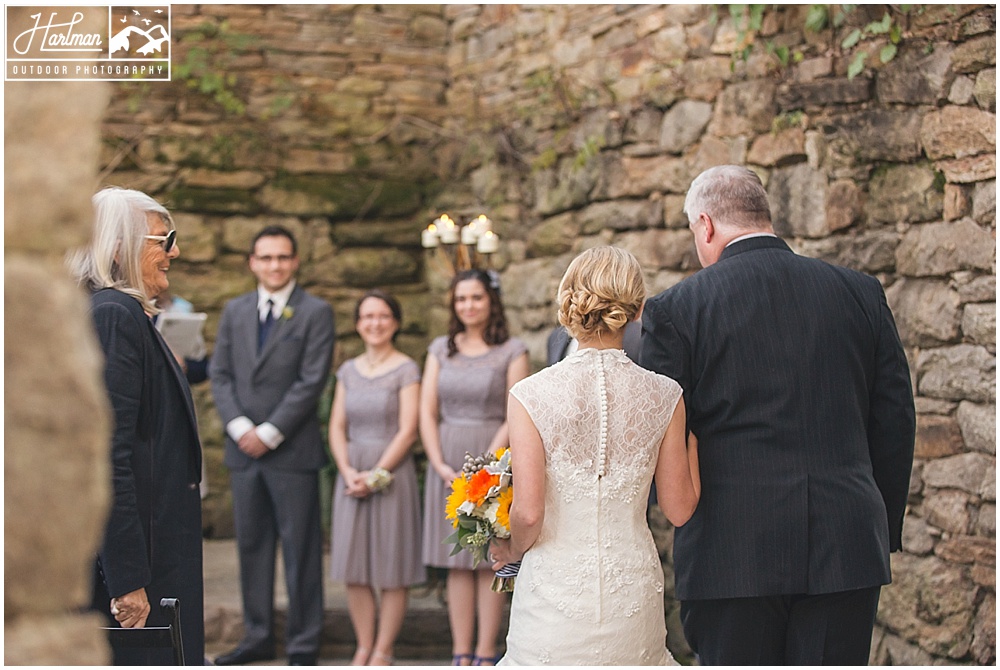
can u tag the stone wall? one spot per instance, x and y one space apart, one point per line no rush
56 430
573 126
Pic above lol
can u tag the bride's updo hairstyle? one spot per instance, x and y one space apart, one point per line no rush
601 292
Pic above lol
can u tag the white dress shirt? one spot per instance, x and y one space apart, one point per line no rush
749 235
241 425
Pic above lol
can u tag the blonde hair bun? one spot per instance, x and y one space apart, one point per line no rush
601 292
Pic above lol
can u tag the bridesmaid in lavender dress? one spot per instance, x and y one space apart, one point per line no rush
463 406
376 525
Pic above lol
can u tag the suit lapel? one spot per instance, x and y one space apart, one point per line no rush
247 324
182 382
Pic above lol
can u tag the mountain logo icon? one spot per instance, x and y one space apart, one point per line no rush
134 38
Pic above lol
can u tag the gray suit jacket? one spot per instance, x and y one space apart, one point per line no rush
281 384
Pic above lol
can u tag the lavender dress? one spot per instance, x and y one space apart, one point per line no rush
472 403
376 540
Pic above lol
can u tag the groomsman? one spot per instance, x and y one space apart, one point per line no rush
798 391
270 365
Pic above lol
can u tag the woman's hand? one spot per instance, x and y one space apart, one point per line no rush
501 553
354 484
446 473
131 610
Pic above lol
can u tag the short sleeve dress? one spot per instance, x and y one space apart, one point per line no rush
376 540
472 404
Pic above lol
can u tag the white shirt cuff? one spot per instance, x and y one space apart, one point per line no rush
239 427
270 435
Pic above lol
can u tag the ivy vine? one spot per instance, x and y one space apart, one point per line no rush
749 19
210 53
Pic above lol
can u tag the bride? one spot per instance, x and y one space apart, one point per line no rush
587 437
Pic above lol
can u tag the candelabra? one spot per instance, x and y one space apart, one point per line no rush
455 248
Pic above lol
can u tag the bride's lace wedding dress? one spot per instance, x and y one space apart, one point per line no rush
590 590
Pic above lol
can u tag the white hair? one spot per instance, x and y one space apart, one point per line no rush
730 194
113 257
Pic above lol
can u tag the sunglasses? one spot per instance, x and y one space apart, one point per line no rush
166 240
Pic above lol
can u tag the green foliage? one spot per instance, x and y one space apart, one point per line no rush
887 26
591 147
545 160
939 181
857 65
792 119
748 19
852 39
138 93
818 18
211 51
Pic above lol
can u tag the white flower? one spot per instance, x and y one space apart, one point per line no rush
501 466
468 508
490 512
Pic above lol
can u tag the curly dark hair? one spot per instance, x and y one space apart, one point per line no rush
496 331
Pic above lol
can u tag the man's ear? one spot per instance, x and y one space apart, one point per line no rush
638 315
709 227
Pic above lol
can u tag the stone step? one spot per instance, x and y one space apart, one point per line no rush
425 638
425 633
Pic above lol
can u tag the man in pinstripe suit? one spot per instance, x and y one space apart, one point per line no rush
799 393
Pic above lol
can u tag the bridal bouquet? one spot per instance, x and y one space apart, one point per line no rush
479 508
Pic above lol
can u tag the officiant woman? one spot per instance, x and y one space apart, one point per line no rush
152 543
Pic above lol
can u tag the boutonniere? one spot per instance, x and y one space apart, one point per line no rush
287 313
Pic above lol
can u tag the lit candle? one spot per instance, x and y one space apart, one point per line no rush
429 238
449 230
483 223
470 234
488 243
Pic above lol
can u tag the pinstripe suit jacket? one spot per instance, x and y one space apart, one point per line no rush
798 390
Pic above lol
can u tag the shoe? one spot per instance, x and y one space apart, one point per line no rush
382 659
485 660
302 659
242 655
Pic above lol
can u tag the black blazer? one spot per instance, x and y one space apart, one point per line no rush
798 390
153 534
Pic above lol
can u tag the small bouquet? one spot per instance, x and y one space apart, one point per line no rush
479 507
378 480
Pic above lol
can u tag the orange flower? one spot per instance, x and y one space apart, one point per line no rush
459 488
479 486
503 512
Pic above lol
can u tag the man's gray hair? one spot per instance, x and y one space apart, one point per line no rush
113 257
729 194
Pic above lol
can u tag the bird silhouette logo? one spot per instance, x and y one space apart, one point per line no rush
147 41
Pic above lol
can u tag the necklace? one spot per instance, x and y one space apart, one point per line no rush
374 363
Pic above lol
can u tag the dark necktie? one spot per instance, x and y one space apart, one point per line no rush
265 326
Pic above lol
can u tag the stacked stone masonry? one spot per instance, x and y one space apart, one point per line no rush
573 126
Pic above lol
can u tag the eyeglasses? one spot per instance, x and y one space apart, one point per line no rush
167 241
270 259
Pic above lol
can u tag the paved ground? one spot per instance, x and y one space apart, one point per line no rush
425 639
